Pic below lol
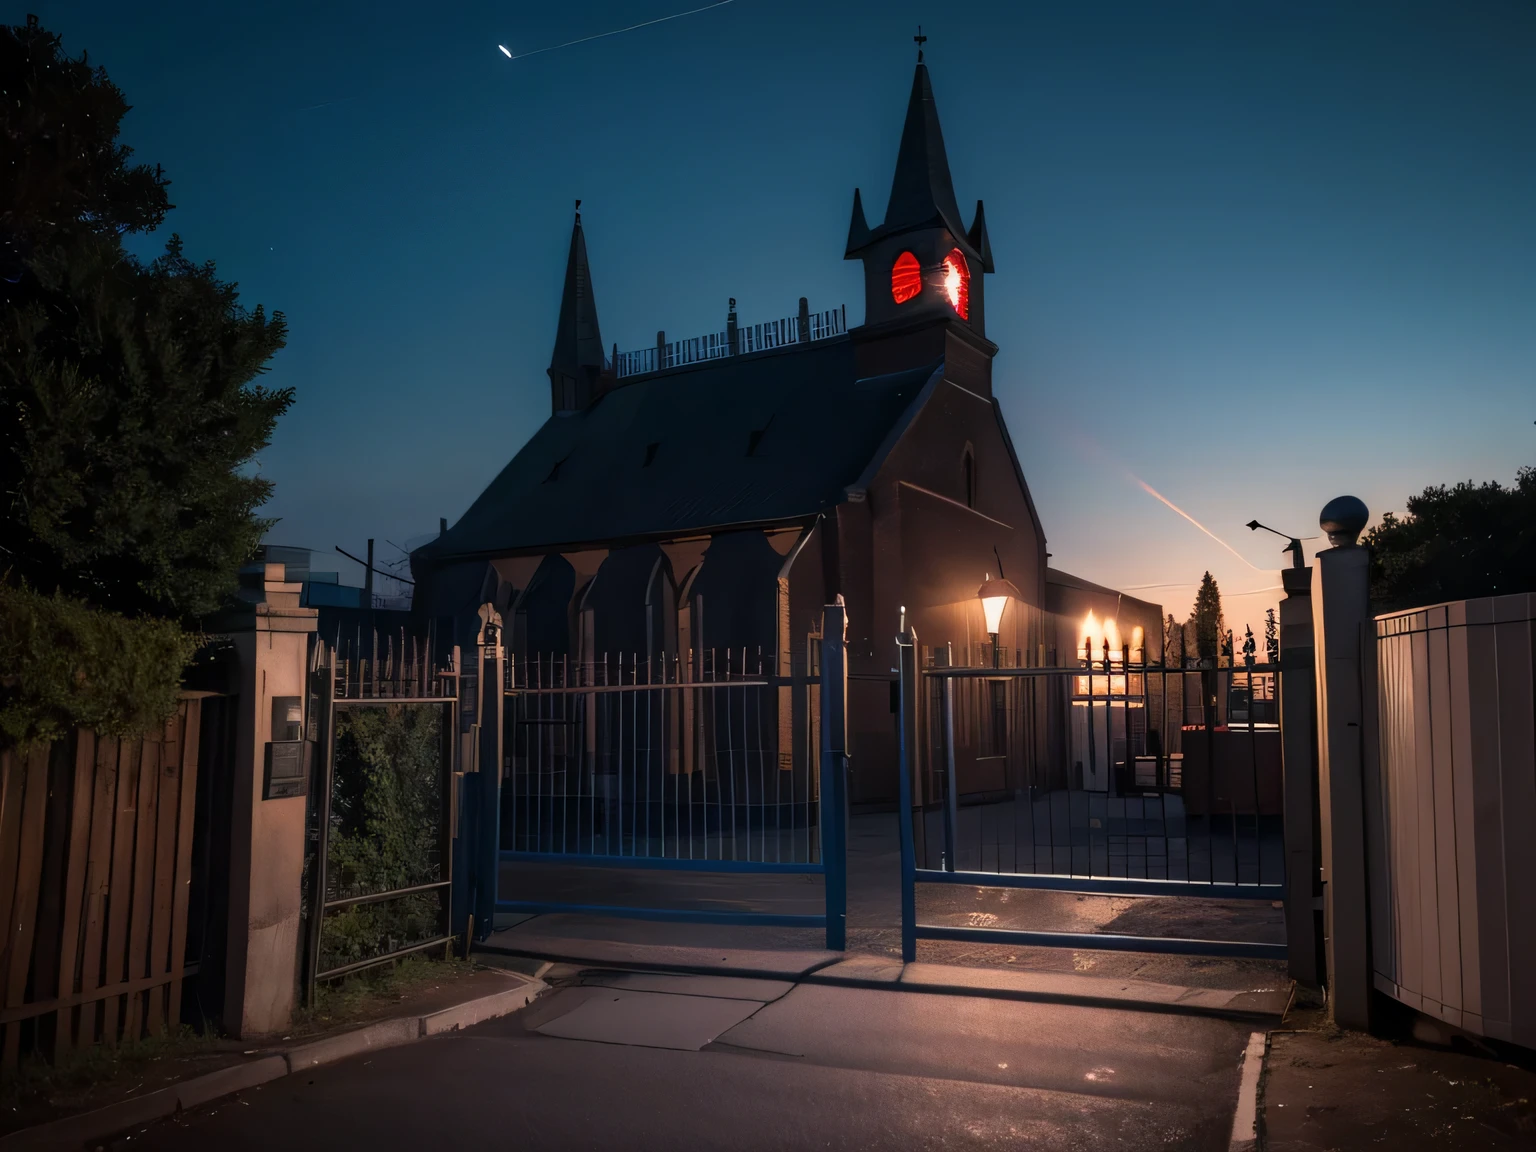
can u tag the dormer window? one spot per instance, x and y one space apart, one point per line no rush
906 278
956 283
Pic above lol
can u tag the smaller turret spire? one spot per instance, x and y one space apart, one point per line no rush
577 364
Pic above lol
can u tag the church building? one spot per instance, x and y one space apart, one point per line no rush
707 497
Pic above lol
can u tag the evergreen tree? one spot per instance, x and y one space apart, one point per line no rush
129 414
66 171
1209 627
128 408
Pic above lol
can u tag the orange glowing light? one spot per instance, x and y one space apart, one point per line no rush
957 283
906 278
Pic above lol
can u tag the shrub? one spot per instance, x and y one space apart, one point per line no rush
64 664
387 816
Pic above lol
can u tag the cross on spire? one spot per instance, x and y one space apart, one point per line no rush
920 40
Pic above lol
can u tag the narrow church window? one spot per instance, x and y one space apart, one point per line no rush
968 476
554 473
906 278
957 283
650 454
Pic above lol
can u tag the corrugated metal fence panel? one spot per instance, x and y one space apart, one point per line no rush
95 859
1456 706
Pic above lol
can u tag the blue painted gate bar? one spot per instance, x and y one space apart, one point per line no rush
693 763
1112 777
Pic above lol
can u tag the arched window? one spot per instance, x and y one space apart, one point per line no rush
906 278
968 476
957 283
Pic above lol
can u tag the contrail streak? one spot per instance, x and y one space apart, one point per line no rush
616 31
1151 491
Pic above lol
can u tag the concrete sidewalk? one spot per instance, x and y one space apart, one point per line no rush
1327 1089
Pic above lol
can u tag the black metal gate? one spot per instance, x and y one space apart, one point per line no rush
380 873
1113 777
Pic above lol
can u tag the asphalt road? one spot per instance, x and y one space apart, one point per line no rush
750 1064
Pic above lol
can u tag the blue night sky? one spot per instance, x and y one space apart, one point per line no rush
1254 254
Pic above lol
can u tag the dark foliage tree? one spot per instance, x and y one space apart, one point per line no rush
128 411
1456 543
1206 617
64 167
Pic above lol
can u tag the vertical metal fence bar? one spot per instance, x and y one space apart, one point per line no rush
322 848
951 830
730 744
909 753
834 770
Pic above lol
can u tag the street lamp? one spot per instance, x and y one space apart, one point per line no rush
994 596
1293 545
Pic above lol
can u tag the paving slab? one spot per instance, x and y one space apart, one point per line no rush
650 1019
565 939
1053 987
720 987
1055 1047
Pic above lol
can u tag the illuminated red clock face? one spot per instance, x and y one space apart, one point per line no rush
906 278
956 283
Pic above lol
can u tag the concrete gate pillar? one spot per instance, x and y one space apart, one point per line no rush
271 635
1341 609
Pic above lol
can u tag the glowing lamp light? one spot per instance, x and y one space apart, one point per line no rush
994 596
957 283
906 278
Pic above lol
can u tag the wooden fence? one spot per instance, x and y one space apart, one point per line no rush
95 863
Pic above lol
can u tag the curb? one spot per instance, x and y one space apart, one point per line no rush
1206 1002
1247 1129
72 1131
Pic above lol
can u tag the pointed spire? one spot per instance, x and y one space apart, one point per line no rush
978 239
578 342
922 192
858 227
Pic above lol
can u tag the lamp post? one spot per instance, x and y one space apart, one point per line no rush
1293 543
994 596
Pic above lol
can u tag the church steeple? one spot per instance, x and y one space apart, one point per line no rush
577 371
923 268
922 193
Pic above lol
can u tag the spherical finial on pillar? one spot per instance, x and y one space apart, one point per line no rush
1343 519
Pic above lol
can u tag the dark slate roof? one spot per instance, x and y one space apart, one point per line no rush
811 425
1067 580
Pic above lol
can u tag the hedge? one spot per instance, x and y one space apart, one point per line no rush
64 664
